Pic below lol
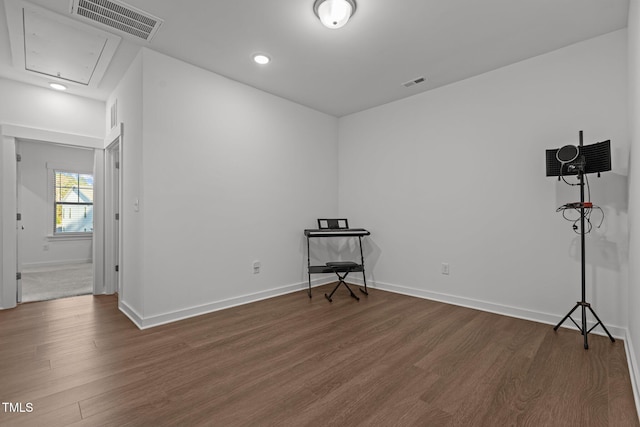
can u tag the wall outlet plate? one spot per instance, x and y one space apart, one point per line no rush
445 268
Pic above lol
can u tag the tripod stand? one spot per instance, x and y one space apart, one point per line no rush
582 303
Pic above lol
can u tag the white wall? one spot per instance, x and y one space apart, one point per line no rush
634 188
36 244
36 113
40 108
228 175
457 175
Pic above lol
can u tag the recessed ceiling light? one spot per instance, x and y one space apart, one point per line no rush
261 59
57 86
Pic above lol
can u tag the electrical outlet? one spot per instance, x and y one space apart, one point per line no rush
445 268
256 267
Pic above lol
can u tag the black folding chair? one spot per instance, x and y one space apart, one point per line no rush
345 267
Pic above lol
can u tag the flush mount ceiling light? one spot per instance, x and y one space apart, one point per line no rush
334 13
261 59
57 86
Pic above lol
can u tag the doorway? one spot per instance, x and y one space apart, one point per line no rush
55 237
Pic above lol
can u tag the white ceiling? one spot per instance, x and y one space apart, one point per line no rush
365 63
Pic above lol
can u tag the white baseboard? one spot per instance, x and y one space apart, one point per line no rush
133 315
505 310
161 319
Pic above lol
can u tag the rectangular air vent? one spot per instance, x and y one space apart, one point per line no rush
414 82
114 114
118 15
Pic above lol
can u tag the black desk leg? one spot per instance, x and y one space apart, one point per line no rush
364 279
364 276
309 266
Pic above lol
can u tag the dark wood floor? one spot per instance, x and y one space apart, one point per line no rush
386 360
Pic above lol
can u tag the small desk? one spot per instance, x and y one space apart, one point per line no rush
337 267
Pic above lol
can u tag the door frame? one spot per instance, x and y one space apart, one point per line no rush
8 232
19 226
113 202
9 134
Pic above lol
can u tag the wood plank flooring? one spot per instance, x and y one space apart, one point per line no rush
387 360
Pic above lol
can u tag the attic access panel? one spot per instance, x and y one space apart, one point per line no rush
53 45
60 50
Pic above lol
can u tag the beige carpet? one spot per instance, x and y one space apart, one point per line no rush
59 281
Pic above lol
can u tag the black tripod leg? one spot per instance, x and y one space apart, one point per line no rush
555 328
584 327
601 324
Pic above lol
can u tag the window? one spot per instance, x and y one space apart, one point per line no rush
73 202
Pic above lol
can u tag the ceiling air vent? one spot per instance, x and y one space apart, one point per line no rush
414 82
118 15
